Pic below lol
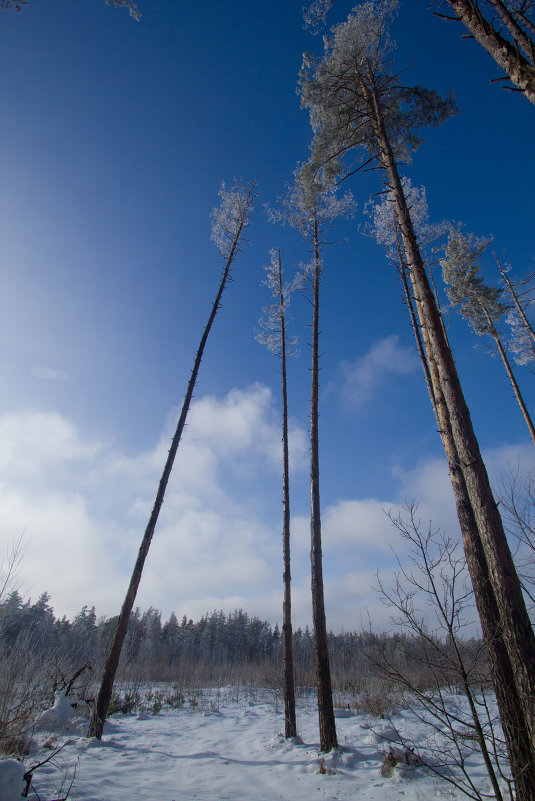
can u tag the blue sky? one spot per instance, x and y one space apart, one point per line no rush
116 136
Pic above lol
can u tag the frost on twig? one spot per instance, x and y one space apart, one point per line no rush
383 226
231 217
133 10
274 315
315 13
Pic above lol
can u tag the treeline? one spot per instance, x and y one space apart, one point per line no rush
218 646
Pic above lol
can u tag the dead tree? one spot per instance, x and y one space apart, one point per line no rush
229 222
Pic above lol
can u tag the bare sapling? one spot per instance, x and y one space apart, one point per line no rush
432 603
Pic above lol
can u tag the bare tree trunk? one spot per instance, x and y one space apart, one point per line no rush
414 322
327 725
100 709
290 723
504 619
513 381
519 68
514 295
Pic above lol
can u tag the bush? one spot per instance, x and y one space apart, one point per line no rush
23 693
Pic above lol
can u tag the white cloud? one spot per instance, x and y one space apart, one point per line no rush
364 376
34 443
49 374
84 504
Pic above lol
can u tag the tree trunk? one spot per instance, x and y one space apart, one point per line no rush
290 723
327 723
504 619
519 69
516 732
512 378
522 314
100 709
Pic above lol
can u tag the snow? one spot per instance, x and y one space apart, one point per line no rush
59 716
225 745
12 781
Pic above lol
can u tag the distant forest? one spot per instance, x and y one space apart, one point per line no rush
218 647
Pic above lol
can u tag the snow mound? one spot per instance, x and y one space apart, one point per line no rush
60 716
343 713
279 742
12 782
383 734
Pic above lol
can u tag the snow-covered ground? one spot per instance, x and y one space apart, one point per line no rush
224 745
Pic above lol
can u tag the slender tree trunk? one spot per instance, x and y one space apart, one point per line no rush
516 66
290 723
498 594
414 322
327 725
512 378
100 709
522 314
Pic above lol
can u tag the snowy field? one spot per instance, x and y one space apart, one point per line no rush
226 745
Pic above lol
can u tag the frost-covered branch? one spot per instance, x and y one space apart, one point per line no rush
275 316
231 217
315 13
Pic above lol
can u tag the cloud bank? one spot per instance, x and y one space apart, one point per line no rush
83 505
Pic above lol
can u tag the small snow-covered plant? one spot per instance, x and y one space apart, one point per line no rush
175 699
126 702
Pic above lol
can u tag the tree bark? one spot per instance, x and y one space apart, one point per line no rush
504 619
516 66
516 732
327 725
290 723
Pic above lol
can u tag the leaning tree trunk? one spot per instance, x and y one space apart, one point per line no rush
516 732
100 709
509 638
327 723
512 378
507 55
290 723
521 313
